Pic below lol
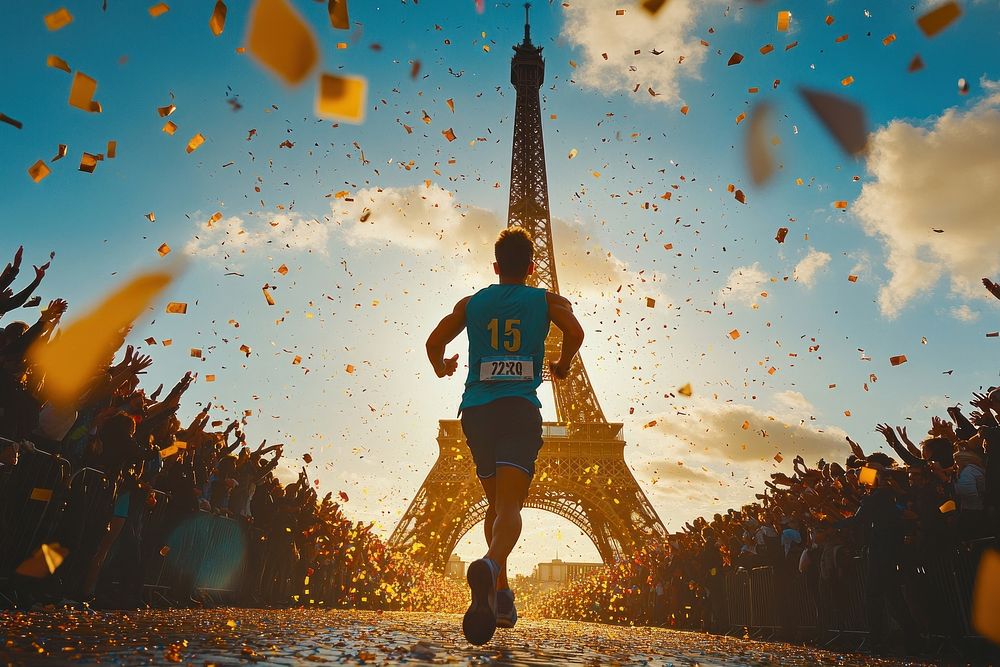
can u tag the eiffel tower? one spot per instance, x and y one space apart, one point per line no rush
581 474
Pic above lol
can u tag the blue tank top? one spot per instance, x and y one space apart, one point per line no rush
507 326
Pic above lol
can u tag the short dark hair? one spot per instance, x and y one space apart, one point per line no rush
514 252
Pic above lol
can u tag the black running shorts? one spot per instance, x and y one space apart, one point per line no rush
506 431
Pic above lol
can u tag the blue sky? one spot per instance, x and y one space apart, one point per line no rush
366 294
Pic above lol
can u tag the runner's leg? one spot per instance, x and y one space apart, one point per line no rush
490 489
511 490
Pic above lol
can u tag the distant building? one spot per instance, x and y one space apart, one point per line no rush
558 573
455 567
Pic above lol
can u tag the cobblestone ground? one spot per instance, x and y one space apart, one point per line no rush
286 637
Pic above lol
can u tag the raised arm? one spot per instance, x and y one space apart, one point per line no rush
561 314
447 329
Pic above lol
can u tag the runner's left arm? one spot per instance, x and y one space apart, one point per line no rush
445 332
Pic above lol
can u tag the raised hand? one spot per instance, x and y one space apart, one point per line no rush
19 254
40 271
856 448
941 428
55 310
888 434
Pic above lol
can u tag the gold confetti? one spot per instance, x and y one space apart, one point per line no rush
898 359
349 368
650 302
217 22
939 18
70 360
38 171
342 97
889 39
784 18
159 9
112 149
46 559
685 390
268 296
986 596
166 111
448 134
57 63
176 308
196 141
840 204
58 19
847 80
867 476
281 41
734 334
164 250
81 93
337 9
88 163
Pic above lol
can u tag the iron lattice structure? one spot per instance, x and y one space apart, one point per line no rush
581 474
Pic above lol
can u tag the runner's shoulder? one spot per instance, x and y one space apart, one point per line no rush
558 301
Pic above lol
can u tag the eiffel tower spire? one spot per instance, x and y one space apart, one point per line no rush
528 207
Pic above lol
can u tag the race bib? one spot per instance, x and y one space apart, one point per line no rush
492 369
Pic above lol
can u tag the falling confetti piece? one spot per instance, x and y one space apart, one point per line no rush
283 270
112 149
166 111
70 360
939 18
217 22
650 302
337 9
760 161
43 562
176 308
685 390
843 119
840 204
782 233
451 104
342 97
963 87
889 39
986 596
778 457
196 352
572 153
784 18
57 63
151 216
852 279
159 9
88 163
448 134
735 59
58 19
281 41
916 64
684 110
867 476
10 121
38 171
196 141
766 49
734 334
307 458
947 506
268 296
245 349
81 93
349 368
847 80
164 250
897 360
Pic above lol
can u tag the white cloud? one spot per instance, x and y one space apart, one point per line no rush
745 284
938 175
716 431
795 404
810 265
964 314
231 237
429 220
593 27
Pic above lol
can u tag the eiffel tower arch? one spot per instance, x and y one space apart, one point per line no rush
581 474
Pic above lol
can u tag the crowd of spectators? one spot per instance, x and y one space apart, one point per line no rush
115 483
898 525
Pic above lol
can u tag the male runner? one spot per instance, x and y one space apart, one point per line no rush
507 324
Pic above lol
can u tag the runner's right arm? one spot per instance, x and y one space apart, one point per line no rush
561 314
447 329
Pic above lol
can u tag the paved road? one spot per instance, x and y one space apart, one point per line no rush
286 637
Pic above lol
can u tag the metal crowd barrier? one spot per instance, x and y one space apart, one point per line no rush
761 600
27 492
